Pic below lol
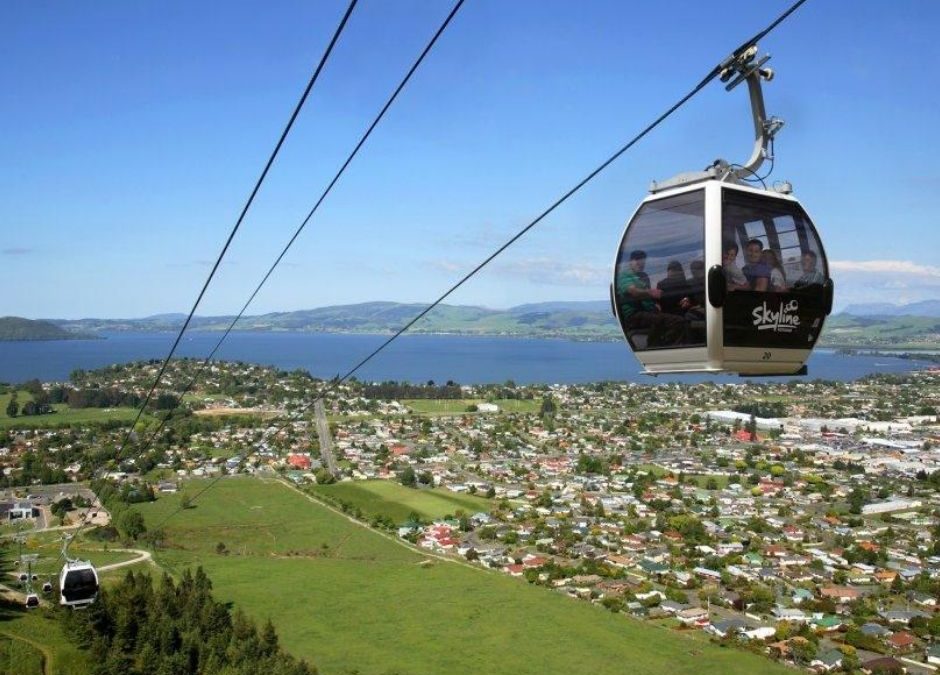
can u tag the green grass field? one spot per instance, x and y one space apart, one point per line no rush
380 497
459 406
18 657
36 636
352 601
63 415
700 479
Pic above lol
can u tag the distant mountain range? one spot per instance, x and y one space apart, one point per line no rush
878 325
924 308
574 320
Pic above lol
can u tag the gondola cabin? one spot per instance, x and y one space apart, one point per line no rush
32 601
78 584
713 275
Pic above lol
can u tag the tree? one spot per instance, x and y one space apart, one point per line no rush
548 406
131 524
61 507
897 584
13 408
803 651
408 477
857 500
324 477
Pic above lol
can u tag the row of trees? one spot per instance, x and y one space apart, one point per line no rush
28 408
138 627
42 400
110 397
386 391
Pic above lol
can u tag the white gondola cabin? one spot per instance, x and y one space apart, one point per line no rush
78 584
716 276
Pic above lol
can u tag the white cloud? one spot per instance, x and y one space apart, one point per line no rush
556 273
893 281
448 266
886 267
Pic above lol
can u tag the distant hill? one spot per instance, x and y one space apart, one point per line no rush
929 308
915 332
591 320
577 320
14 328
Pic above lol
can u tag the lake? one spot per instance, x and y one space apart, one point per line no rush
412 358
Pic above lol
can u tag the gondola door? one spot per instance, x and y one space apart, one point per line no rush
778 291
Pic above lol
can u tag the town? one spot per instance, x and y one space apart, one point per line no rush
800 520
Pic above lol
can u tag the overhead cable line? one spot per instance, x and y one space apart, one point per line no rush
303 224
238 222
310 214
712 74
241 217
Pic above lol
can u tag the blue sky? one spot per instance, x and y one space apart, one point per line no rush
133 133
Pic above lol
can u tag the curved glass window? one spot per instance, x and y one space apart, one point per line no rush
659 284
776 273
771 243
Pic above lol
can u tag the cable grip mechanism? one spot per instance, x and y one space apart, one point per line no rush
748 66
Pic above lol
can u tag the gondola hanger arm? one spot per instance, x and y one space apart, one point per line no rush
747 66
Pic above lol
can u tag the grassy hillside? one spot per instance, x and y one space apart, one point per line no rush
18 657
353 601
35 638
894 331
16 328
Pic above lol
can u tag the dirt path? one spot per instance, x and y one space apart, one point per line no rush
141 557
41 648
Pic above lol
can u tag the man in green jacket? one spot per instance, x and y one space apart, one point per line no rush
638 308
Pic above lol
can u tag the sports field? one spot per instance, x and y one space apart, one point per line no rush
63 415
353 601
381 497
424 406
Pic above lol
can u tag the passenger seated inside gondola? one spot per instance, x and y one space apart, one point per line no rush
756 271
694 303
811 276
733 274
642 319
674 289
778 281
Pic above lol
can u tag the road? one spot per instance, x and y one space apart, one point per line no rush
141 557
326 440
